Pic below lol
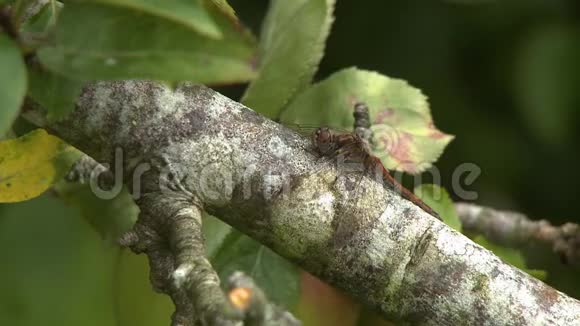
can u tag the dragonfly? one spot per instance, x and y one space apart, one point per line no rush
353 147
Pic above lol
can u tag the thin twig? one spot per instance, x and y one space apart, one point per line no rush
514 229
252 302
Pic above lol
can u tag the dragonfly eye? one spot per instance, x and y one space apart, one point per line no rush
323 135
323 140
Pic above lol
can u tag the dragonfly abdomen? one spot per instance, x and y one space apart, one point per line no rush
390 182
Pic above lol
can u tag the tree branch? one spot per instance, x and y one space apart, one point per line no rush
514 229
252 302
206 150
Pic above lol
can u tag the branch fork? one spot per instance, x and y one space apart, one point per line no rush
406 264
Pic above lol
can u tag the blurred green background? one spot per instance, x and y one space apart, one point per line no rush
502 76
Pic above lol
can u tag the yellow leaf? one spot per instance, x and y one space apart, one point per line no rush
29 165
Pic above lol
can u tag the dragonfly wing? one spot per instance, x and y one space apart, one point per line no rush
308 129
303 130
354 218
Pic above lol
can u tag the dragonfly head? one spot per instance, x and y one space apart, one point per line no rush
323 140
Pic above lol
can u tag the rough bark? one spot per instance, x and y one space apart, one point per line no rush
263 179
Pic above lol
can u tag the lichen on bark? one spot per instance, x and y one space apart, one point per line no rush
208 152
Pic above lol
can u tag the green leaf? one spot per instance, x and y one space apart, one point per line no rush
438 199
41 23
109 217
190 13
60 274
134 300
548 75
56 93
23 10
12 82
29 165
225 8
511 256
278 278
214 232
125 44
291 47
230 250
405 137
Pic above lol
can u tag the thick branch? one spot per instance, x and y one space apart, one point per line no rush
264 180
517 230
